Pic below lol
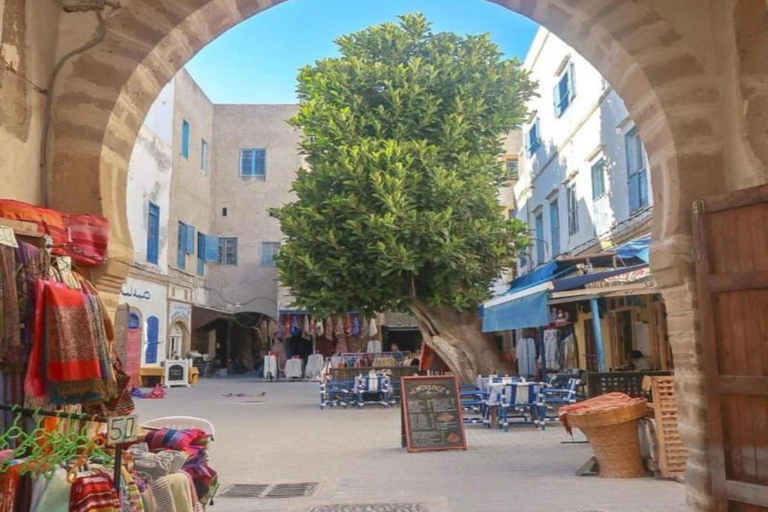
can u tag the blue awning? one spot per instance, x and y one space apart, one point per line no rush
528 311
570 283
639 248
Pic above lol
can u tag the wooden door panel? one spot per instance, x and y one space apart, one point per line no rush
731 252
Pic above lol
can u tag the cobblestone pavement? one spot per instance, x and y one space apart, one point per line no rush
355 456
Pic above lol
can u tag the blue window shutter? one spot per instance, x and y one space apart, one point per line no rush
185 139
557 99
190 239
571 81
200 254
211 252
181 246
153 233
153 328
260 162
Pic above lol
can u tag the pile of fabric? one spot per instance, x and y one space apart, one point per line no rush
172 472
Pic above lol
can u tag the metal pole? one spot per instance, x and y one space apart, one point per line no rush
598 329
542 350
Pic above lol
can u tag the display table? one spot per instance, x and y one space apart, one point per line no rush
315 365
294 369
148 372
270 367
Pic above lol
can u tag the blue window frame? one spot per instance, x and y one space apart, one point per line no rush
153 233
637 172
540 249
253 163
564 91
598 179
153 331
185 139
268 252
533 137
554 226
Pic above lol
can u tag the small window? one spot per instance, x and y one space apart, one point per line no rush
533 138
512 168
228 251
598 179
253 164
224 212
268 252
564 91
153 233
185 139
204 156
573 211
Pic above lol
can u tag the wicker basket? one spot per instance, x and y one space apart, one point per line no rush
614 439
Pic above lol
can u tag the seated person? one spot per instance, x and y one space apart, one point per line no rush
639 362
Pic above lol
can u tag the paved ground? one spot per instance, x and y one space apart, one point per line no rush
355 456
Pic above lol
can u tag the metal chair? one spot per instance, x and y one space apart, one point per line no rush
373 384
520 400
551 398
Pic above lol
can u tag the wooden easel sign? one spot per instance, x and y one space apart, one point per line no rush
431 416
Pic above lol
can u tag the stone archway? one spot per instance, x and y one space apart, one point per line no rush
669 90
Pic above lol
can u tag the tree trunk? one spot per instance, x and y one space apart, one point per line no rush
459 340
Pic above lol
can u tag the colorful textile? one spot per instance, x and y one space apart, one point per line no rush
51 495
11 351
596 405
70 343
356 329
172 494
9 485
94 493
33 264
50 222
189 441
89 235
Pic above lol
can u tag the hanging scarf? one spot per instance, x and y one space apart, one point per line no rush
295 328
305 326
311 327
364 328
329 333
94 493
372 330
347 324
341 337
11 351
319 331
280 334
355 331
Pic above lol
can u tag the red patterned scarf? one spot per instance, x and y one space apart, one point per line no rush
94 493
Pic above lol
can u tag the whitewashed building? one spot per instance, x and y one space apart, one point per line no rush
583 181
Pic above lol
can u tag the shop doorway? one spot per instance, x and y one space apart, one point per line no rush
405 340
176 342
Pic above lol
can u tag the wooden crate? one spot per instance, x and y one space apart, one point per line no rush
673 455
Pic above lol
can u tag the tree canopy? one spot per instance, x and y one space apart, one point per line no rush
399 204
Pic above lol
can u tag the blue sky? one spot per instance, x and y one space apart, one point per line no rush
257 60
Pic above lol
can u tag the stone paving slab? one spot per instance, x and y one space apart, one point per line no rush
355 456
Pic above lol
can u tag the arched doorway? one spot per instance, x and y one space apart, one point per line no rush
646 49
178 341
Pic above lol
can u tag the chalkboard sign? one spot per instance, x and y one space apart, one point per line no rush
177 373
431 414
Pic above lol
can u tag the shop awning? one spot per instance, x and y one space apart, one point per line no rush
570 283
527 311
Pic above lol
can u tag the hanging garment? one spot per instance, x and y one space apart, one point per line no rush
341 336
319 330
347 319
372 330
314 368
94 493
355 326
11 351
295 327
569 352
552 349
51 495
305 326
171 494
526 356
374 347
311 328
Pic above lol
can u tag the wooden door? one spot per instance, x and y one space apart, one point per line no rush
731 253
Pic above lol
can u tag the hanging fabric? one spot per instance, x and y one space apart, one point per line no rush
319 330
552 349
526 356
372 330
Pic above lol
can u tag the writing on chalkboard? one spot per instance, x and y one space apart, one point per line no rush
431 414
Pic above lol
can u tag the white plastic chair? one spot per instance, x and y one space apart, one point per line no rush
181 422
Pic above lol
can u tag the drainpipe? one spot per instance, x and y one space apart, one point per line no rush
598 329
83 6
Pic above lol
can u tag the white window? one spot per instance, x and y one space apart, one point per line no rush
564 91
228 250
268 252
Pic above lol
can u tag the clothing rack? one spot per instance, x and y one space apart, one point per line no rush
15 409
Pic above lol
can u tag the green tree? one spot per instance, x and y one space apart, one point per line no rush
398 207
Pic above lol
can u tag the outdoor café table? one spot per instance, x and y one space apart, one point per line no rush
294 368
